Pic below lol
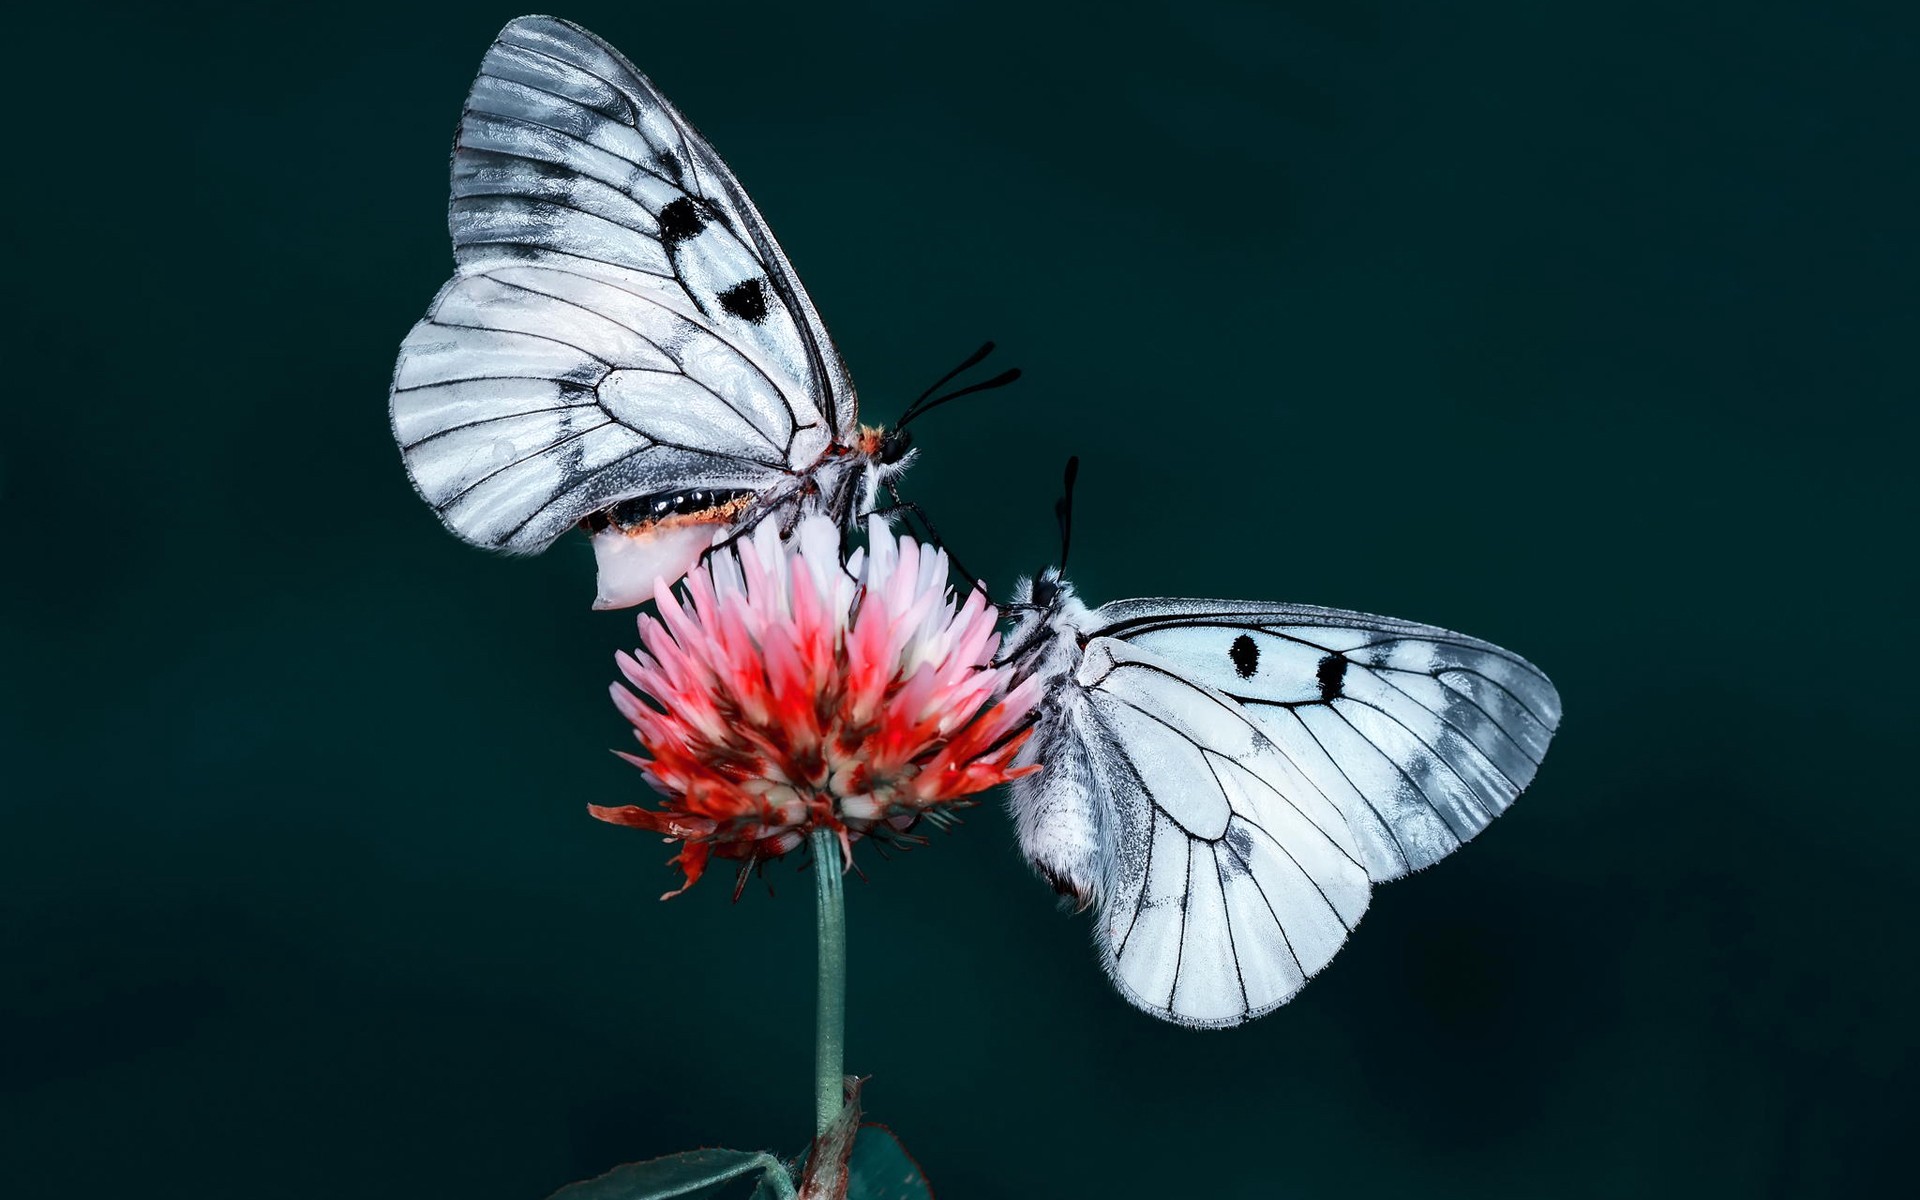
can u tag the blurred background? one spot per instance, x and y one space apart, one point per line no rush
1585 328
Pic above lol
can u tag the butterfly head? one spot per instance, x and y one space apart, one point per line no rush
884 448
1048 589
882 454
893 447
1047 618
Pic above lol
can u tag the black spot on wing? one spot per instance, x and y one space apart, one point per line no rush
746 300
1245 653
669 166
1333 676
1240 841
680 221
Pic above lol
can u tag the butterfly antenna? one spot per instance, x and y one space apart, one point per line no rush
998 381
927 402
972 360
1063 509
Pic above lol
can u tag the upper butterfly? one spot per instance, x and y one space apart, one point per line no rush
623 345
1224 781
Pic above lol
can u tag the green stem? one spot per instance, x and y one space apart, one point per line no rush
830 1018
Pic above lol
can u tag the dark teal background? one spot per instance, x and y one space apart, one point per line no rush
1587 328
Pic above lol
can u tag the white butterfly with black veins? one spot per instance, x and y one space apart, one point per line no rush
1223 782
623 344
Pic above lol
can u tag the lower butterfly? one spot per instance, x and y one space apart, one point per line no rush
623 346
1224 782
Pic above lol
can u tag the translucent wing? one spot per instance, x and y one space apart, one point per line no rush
1417 735
622 322
1232 879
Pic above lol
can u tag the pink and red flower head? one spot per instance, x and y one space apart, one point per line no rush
790 690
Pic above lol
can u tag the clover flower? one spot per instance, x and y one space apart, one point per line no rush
787 690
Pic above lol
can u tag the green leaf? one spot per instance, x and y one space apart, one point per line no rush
689 1175
881 1168
774 1187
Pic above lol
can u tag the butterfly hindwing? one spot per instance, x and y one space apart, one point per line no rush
1418 735
622 323
1232 880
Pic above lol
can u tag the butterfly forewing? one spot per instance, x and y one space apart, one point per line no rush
1419 736
565 146
622 323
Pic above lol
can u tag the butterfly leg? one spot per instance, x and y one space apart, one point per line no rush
901 505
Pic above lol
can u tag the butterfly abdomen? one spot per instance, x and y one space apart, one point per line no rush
1059 814
1057 818
641 511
